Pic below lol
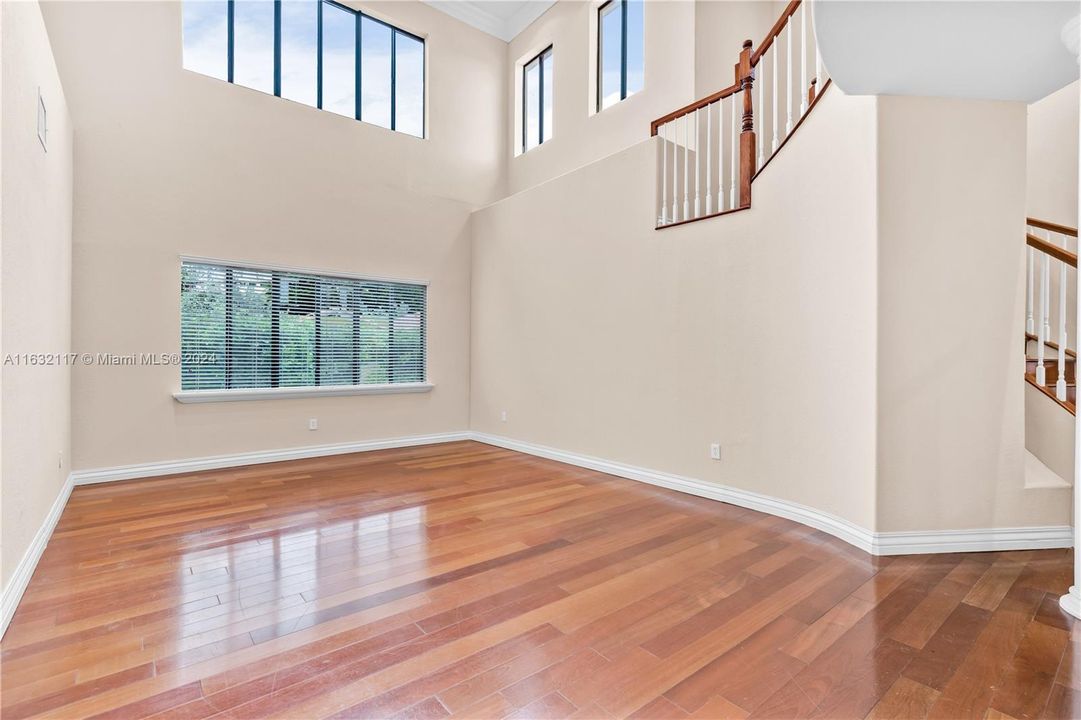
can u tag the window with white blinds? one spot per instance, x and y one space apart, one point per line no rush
246 327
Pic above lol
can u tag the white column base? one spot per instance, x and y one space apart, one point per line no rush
1071 602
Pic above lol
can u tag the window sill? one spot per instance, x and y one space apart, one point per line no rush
208 396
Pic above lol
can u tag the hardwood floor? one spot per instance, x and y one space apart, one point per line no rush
469 581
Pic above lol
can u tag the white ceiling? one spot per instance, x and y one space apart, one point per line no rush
502 18
979 50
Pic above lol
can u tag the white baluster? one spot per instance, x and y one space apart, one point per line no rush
788 86
775 63
675 171
686 169
1060 384
1030 325
761 108
697 167
709 159
735 134
664 175
803 59
1041 372
1046 315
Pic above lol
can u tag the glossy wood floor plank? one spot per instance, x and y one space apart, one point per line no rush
467 581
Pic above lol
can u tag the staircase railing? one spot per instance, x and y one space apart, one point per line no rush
711 150
1050 297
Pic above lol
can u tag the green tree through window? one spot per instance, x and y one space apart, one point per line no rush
256 328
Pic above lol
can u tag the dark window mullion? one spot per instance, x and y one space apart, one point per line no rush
319 57
275 330
356 67
318 309
600 55
540 98
424 335
278 48
393 78
229 290
525 107
355 295
623 51
230 23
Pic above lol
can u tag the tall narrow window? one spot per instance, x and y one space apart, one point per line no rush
537 100
375 71
317 52
206 38
408 84
253 44
620 51
243 327
299 45
339 60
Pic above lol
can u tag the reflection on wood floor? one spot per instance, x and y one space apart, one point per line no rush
469 581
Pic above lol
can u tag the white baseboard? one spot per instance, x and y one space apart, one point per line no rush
884 543
949 541
13 593
174 467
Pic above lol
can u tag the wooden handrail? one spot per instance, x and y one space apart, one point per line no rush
696 105
1053 227
774 32
1053 250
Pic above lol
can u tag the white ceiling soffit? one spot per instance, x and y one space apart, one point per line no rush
502 18
1015 50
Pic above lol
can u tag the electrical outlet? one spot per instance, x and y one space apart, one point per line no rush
313 424
503 416
715 451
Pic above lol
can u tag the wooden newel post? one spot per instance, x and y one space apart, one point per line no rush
747 136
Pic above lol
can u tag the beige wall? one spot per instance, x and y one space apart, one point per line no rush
601 336
35 257
950 312
835 339
170 163
720 27
580 135
1051 192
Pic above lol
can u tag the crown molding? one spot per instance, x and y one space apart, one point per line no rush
478 14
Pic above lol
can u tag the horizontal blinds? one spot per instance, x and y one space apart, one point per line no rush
253 328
